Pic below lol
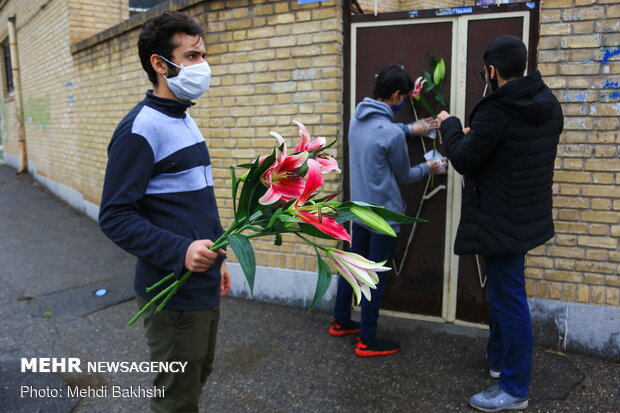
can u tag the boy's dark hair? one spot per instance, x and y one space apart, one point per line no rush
157 36
391 79
509 56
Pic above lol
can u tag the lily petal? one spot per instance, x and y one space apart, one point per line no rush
325 225
270 196
360 274
328 164
346 274
360 261
314 179
365 289
304 137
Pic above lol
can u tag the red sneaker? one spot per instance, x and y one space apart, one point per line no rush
378 348
338 330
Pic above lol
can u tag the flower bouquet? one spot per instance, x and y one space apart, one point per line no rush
433 85
279 194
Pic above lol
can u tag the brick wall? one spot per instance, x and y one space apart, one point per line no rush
89 17
49 81
405 5
579 43
272 62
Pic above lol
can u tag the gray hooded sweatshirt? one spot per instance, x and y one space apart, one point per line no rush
378 157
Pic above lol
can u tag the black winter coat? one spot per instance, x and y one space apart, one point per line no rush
507 160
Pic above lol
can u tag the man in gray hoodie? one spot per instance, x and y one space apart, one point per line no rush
379 162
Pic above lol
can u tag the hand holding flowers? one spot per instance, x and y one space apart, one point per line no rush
278 194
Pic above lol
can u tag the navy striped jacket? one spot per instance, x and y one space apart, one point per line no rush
158 197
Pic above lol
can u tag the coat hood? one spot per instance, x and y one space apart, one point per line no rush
371 107
526 98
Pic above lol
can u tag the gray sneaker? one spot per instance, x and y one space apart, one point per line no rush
494 399
495 373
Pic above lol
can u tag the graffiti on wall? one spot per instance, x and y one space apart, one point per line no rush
37 112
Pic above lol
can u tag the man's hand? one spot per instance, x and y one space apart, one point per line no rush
199 257
423 126
437 166
225 283
443 115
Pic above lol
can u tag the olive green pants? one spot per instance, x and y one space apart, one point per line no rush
175 335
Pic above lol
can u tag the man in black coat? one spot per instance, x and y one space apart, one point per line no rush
507 158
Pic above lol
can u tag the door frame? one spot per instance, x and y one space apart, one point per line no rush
460 16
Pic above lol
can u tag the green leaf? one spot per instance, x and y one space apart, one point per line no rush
252 188
344 215
322 283
429 79
235 186
372 219
48 314
278 240
245 254
384 213
287 218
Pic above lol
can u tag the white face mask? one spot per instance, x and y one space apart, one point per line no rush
191 82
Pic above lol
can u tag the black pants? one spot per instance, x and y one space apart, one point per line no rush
175 335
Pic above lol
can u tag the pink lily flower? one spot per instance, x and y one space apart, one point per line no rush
360 272
281 178
417 88
326 162
317 166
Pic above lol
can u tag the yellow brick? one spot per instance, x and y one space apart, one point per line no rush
613 280
597 242
608 123
598 267
555 29
610 191
555 4
565 276
600 216
602 178
264 9
583 13
281 8
608 25
569 292
599 229
613 11
583 294
576 42
564 264
555 290
597 295
548 42
613 296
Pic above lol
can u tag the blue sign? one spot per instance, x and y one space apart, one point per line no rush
309 1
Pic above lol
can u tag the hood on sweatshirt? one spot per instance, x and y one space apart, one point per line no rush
526 98
371 107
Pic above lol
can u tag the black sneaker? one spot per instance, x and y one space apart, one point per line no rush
338 330
378 348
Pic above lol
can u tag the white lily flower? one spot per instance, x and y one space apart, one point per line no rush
360 272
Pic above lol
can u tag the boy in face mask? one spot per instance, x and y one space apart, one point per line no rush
379 162
158 204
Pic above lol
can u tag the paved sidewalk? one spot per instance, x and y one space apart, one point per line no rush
270 358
